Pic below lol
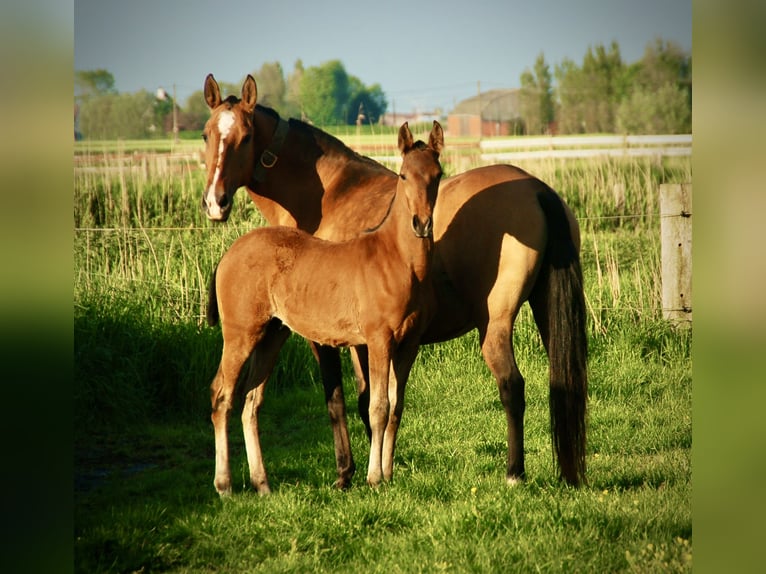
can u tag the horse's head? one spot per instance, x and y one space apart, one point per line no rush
228 136
420 175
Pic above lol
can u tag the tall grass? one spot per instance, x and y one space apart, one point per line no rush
144 359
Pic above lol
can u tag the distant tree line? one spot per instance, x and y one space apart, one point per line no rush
324 95
603 94
653 95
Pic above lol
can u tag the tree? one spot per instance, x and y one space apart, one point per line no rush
371 100
196 112
536 97
90 83
325 93
663 110
293 102
603 71
659 99
113 116
271 85
571 97
589 95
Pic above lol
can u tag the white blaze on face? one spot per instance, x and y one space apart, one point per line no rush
225 123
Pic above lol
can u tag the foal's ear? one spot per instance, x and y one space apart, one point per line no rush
212 92
249 94
436 139
405 138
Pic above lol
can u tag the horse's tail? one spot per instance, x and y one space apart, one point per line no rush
212 302
558 305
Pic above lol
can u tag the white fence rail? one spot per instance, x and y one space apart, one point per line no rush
584 147
498 150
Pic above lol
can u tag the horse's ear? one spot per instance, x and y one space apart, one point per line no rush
212 92
436 139
405 138
249 93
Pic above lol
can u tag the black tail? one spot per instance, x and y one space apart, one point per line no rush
558 305
212 302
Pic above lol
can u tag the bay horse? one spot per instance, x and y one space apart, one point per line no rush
371 290
502 237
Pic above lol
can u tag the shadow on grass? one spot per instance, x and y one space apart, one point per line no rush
144 451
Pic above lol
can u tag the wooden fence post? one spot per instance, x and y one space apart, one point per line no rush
676 231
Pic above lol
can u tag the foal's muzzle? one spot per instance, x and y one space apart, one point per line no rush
422 229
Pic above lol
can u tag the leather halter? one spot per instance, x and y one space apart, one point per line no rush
270 155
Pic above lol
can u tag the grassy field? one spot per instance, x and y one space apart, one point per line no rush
144 359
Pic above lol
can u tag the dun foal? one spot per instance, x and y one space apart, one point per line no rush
372 290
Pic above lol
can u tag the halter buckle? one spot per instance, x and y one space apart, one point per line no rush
268 159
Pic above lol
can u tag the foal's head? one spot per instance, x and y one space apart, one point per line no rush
419 176
228 136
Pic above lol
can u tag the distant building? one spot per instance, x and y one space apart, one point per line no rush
397 119
491 113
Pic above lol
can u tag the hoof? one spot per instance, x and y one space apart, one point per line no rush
514 480
222 487
342 484
262 489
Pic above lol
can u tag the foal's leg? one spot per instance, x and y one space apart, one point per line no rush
380 364
235 353
264 358
401 365
332 380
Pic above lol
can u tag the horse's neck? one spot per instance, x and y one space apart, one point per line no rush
355 191
290 193
321 186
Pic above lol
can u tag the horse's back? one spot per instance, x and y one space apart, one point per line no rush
310 284
491 233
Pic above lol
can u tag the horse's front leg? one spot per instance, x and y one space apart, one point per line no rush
380 365
401 365
332 381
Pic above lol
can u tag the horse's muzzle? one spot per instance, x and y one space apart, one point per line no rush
218 209
422 229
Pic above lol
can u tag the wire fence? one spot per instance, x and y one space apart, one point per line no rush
186 295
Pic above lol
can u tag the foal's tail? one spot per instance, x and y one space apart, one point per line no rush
212 302
558 305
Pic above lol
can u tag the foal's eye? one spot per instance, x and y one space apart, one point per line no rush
402 176
204 138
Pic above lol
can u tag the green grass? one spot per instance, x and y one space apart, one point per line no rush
144 455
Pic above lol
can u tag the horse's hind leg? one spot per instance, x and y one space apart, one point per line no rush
332 381
497 350
264 358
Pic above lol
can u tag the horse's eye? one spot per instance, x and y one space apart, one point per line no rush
402 176
204 138
246 139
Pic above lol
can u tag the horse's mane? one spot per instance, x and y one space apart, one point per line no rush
326 141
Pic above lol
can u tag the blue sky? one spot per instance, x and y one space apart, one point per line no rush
424 54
